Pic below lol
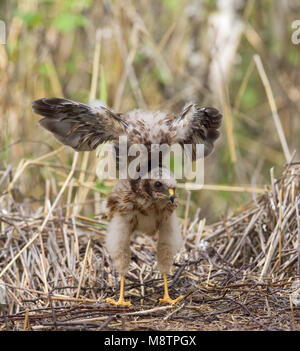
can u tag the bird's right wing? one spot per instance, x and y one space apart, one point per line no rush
78 125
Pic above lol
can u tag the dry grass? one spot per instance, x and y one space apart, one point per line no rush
238 274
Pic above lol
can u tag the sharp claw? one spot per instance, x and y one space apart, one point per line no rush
120 302
170 301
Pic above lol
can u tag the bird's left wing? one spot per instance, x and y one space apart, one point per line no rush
78 125
197 125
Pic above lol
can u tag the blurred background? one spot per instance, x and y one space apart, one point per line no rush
236 55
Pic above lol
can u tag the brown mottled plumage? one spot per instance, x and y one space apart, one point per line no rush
84 127
140 205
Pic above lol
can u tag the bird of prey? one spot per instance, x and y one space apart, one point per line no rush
146 204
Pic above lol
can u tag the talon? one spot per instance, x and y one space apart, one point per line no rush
166 297
120 302
170 301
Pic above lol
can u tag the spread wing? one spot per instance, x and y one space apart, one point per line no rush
197 125
80 126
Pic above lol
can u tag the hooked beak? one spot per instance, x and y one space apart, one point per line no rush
171 195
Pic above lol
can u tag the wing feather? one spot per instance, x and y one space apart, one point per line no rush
78 125
197 125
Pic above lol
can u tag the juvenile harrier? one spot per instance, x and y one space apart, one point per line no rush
145 204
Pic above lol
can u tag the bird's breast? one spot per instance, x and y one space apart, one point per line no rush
148 224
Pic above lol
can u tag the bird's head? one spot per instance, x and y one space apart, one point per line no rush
162 185
163 190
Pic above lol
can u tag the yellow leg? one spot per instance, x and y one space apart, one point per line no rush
166 297
121 301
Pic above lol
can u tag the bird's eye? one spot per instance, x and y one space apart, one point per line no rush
157 184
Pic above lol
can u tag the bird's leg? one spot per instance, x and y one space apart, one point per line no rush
121 301
169 242
166 297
